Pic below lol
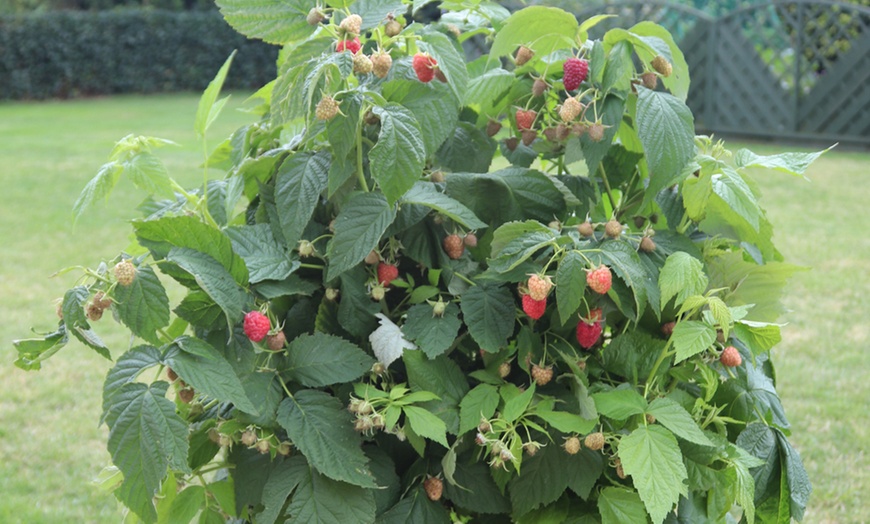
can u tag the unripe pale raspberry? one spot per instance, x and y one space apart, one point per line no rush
326 109
103 301
437 177
570 110
539 287
542 375
539 87
284 448
596 132
263 446
438 308
650 80
504 369
315 16
599 279
572 445
586 229
381 64
378 293
434 488
392 28
454 246
362 65
306 248
661 64
94 312
613 229
331 294
351 25
249 437
470 240
276 342
125 272
524 54
594 441
373 258
647 245
730 357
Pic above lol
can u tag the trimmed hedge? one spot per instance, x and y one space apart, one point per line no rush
69 53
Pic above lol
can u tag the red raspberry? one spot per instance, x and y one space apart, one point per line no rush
730 357
534 308
539 287
575 71
387 273
424 65
599 279
525 119
351 45
588 333
257 326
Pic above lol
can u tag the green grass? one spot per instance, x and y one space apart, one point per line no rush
51 446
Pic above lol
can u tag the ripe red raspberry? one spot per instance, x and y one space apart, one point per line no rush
575 71
434 487
351 45
387 273
599 279
539 287
594 441
125 272
257 326
381 64
276 342
424 65
572 445
326 109
524 54
525 119
542 375
730 357
454 246
534 308
588 333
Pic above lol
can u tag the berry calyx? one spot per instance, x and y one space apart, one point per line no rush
524 54
571 445
275 342
542 375
570 110
525 118
662 66
387 273
381 64
730 357
424 65
599 279
534 308
350 45
125 273
539 287
594 441
434 488
256 326
575 71
454 246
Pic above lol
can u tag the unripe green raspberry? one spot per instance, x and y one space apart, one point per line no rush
125 272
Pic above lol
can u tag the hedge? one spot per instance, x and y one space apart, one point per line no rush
69 53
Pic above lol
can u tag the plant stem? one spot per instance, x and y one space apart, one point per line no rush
607 186
359 161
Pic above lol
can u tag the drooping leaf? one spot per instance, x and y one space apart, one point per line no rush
790 163
298 184
214 279
76 321
475 489
542 29
426 194
321 360
273 21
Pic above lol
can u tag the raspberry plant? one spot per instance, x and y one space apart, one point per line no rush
352 345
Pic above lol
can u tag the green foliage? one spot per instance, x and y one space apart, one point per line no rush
337 307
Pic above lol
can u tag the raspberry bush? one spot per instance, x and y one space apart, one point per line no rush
425 289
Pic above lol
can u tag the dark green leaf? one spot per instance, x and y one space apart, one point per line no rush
570 285
265 258
633 354
475 490
426 194
318 499
214 279
481 402
188 503
298 184
468 148
543 480
798 482
667 130
76 321
398 158
488 311
619 404
321 360
358 228
126 369
356 310
442 377
199 309
434 335
415 507
620 506
432 104
143 306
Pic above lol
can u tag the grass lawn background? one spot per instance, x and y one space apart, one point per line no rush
51 447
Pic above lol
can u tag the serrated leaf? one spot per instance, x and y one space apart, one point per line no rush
187 503
542 29
98 187
651 455
426 194
442 377
318 499
434 335
126 369
298 184
432 105
211 374
738 196
619 506
627 265
570 285
475 490
450 61
758 338
208 110
415 507
273 21
358 228
356 310
426 424
619 404
468 148
520 249
567 422
321 360
792 163
488 311
76 321
32 351
480 402
320 427
666 128
761 442
682 276
146 436
516 406
265 258
633 354
543 480
660 42
398 157
490 86
214 279
691 337
148 173
388 342
674 417
751 393
143 306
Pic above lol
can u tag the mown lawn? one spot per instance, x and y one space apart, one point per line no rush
51 447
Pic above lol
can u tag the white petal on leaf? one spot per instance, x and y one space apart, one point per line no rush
388 342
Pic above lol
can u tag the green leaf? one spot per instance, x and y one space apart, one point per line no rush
321 360
480 402
760 441
515 407
751 395
208 110
317 499
273 21
442 377
265 258
628 266
758 338
490 86
356 310
541 29
358 228
667 130
520 249
633 354
199 310
207 370
146 436
298 185
434 335
761 285
655 35
187 503
432 104
682 276
798 482
791 163
320 427
32 351
397 160
126 369
619 506
544 478
148 173
98 187
76 321
510 231
450 61
426 194
214 279
674 417
283 478
426 424
651 455
619 69
736 193
567 422
475 490
619 404
143 306
488 311
691 337
468 148
415 507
